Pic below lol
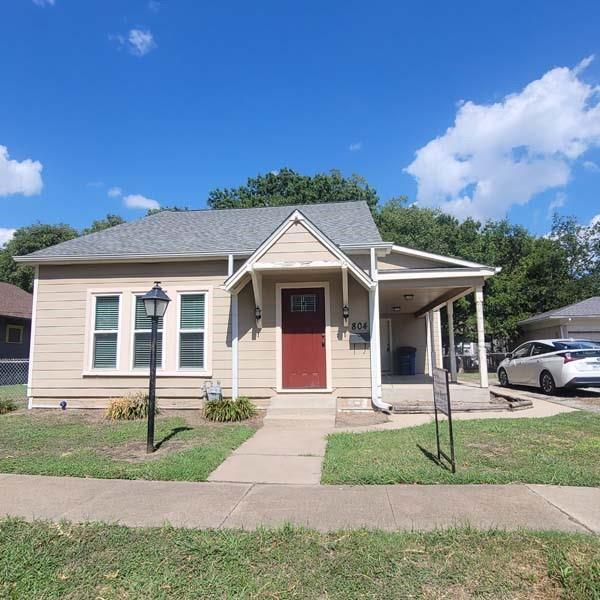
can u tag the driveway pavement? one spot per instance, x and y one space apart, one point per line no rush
326 508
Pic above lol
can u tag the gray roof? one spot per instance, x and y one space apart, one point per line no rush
585 308
216 231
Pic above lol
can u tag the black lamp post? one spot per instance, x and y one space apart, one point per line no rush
155 304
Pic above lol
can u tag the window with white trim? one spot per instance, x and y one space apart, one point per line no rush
142 326
106 332
191 331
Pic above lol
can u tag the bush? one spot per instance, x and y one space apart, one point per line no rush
6 406
229 410
128 408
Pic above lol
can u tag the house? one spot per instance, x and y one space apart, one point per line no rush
579 320
15 321
267 301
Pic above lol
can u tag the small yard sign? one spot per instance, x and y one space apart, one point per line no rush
441 404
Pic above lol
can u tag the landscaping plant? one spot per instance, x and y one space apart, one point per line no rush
227 409
6 406
129 407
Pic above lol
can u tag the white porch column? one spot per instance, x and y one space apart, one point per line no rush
429 344
234 334
483 374
450 312
437 339
375 342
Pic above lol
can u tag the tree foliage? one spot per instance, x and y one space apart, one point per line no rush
101 224
286 186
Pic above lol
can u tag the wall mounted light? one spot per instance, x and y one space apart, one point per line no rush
258 313
345 312
409 297
396 308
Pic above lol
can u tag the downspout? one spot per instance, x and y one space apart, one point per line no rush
376 395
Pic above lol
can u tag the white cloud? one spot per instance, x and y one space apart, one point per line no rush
355 146
558 202
115 192
499 155
44 2
140 41
6 235
590 165
16 177
139 201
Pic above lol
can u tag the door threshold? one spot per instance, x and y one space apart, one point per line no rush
304 390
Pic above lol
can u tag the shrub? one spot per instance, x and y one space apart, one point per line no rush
229 410
129 407
6 406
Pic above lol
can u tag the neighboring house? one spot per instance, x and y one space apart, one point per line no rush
579 320
290 299
15 321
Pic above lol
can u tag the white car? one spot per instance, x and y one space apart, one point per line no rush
552 364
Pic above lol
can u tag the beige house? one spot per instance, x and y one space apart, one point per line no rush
268 301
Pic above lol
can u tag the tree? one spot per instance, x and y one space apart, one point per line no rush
102 224
27 240
286 187
153 211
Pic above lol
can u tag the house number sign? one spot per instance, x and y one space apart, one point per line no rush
359 326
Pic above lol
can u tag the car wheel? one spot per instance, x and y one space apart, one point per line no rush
547 384
503 377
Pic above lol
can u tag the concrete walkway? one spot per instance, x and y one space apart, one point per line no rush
326 508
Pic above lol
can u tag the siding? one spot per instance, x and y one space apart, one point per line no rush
404 261
297 243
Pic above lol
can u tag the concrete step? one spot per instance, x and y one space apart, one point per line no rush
321 401
324 423
300 412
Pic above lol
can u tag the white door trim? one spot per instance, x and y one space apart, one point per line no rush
278 336
389 328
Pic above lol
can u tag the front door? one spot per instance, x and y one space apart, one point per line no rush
303 338
385 332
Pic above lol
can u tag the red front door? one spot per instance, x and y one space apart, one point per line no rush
303 338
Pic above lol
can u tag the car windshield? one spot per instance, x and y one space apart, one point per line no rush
577 345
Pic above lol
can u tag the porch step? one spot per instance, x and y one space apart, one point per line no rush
298 411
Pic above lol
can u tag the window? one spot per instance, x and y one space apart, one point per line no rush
106 332
303 302
14 334
141 337
541 349
192 309
523 351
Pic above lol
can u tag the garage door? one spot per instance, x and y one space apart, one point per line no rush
590 334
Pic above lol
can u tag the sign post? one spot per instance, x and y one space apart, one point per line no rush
441 403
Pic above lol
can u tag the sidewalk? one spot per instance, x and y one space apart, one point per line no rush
326 508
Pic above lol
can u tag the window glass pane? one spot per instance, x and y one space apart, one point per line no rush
105 351
191 350
14 334
192 311
141 350
141 320
304 302
107 312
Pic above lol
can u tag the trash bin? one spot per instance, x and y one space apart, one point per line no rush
406 360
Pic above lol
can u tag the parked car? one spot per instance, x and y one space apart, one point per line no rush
552 364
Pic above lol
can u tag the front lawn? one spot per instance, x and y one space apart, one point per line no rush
56 561
84 444
561 450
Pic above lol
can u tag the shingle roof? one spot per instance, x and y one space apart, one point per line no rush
15 302
216 231
585 308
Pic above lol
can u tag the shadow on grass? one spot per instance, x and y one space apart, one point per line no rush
171 435
433 458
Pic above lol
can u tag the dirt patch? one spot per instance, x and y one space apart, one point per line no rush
134 452
359 419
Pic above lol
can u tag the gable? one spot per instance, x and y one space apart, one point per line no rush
297 244
404 261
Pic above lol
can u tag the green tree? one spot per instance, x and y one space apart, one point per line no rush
102 224
287 187
153 211
27 240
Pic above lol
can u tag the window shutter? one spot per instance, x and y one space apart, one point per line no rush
192 311
191 350
141 351
107 312
142 321
105 351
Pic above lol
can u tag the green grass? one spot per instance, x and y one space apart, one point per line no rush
15 391
561 450
474 377
59 561
79 445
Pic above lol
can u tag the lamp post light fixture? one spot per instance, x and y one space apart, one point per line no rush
155 305
345 312
258 313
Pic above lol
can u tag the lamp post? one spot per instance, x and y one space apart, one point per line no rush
155 305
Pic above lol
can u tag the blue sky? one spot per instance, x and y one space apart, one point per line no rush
168 100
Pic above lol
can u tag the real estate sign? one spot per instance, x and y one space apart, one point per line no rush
441 404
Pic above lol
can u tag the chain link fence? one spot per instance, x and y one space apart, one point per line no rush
13 378
469 363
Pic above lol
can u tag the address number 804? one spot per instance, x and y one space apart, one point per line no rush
359 326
